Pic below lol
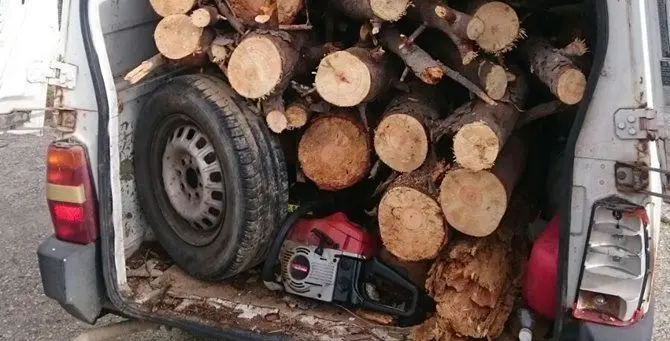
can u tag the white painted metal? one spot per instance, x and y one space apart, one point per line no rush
630 78
28 42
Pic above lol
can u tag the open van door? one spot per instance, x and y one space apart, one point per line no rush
29 67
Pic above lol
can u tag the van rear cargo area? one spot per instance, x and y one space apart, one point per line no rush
501 151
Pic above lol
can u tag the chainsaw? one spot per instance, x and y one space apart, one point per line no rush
332 259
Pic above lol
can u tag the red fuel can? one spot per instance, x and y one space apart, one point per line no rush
541 281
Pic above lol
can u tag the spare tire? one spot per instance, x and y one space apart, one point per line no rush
203 177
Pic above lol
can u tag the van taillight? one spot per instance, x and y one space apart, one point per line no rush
616 265
70 193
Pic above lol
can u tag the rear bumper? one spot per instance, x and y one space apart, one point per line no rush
587 331
72 275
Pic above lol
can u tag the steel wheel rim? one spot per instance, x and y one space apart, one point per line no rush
193 179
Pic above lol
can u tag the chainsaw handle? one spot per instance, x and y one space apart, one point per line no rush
267 274
373 267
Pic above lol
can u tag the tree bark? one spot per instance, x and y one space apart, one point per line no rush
166 8
401 139
334 151
353 76
273 108
384 10
486 74
176 37
420 62
411 224
451 22
474 202
287 10
556 70
264 63
284 12
480 130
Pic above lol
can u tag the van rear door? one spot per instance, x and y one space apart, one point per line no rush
29 45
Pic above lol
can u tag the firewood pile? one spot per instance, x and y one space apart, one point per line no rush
437 93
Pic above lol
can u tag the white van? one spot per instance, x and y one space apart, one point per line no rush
614 158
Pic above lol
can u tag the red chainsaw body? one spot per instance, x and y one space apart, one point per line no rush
349 236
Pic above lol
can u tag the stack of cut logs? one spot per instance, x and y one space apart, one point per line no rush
353 76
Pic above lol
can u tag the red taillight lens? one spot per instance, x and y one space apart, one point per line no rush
70 193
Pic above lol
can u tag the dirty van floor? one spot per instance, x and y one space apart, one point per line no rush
26 314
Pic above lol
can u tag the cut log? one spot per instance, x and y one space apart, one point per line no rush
420 62
491 77
401 139
474 202
264 63
233 20
384 10
353 76
495 27
267 12
334 151
411 224
285 11
205 16
480 130
435 14
166 8
176 37
144 69
556 70
273 108
247 10
288 10
297 114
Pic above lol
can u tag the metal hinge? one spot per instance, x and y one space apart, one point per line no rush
56 73
634 177
639 124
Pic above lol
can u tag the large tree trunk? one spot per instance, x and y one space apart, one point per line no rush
480 130
475 281
264 63
176 37
166 8
353 76
401 139
474 202
334 151
411 224
421 63
384 10
555 69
